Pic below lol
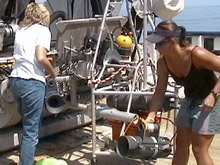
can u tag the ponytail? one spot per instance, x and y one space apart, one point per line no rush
182 41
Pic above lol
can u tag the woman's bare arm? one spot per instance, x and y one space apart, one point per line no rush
41 54
205 59
158 96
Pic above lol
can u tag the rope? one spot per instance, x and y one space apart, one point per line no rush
136 118
173 84
94 82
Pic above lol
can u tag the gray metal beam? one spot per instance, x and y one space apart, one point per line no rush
10 137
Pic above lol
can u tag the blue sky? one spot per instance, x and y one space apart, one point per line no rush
198 15
202 2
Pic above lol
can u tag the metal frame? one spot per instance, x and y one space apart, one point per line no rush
101 91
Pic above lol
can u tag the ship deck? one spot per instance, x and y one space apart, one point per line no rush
75 147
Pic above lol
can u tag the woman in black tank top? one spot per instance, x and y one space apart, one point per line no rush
192 67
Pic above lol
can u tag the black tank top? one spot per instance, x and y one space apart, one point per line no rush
198 83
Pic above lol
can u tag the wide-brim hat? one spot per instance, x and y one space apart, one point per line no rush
160 34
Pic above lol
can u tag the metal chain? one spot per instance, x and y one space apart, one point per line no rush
94 82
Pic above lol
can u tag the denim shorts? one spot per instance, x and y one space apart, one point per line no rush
191 115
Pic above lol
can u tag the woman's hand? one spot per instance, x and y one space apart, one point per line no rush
209 102
150 119
52 75
41 54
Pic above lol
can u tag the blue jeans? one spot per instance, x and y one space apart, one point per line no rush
30 94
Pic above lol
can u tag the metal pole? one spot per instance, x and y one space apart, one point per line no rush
112 113
93 125
100 92
200 43
69 16
132 27
73 90
93 87
176 92
102 28
145 43
131 96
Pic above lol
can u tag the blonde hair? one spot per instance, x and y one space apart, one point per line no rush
36 13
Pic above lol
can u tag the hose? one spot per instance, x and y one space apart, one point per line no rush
57 14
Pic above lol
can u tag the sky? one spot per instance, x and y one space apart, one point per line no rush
199 15
202 2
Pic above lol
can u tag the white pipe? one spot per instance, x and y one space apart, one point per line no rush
99 92
200 43
111 113
145 44
93 87
63 79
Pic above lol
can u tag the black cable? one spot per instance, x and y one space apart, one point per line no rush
172 123
72 7
50 6
96 7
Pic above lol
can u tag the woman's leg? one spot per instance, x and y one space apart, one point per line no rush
183 142
31 94
200 147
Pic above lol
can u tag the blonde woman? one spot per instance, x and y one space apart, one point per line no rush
32 41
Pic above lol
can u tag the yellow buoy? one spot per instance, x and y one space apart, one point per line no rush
124 41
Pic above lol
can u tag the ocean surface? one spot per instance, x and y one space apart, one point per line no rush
197 18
